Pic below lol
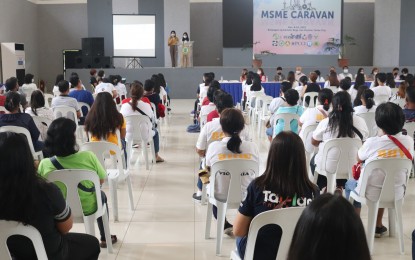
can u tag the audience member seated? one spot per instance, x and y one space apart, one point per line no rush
368 103
374 73
292 97
13 86
27 198
279 76
55 90
37 108
206 101
29 86
104 120
360 71
80 94
211 132
382 89
311 87
14 117
244 73
286 179
138 107
61 143
64 99
298 73
319 77
390 80
216 100
231 146
390 119
358 100
339 124
144 99
153 97
345 84
261 75
345 74
333 81
246 87
316 234
360 81
205 110
409 110
255 90
404 74
395 73
106 86
302 85
400 94
292 80
120 88
276 103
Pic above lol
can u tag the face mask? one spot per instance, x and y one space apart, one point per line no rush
33 80
173 34
346 71
185 36
405 74
258 72
279 72
374 73
362 72
298 72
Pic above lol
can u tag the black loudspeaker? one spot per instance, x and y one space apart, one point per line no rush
79 62
96 62
93 46
20 74
70 58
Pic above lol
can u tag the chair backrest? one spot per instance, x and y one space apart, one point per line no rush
379 99
139 125
103 148
285 218
260 101
42 124
11 228
400 102
343 152
410 128
266 101
235 168
21 130
334 89
82 105
288 118
71 178
48 99
390 168
369 118
394 90
65 111
306 135
313 96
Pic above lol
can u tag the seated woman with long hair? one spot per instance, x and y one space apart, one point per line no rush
14 117
27 198
232 123
286 179
321 224
340 123
138 107
37 108
61 144
368 103
103 120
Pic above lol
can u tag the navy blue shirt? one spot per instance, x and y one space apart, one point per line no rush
22 120
83 96
409 114
260 200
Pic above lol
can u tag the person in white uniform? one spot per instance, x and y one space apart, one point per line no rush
382 89
390 119
345 74
106 85
368 103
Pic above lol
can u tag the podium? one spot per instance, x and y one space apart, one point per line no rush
186 54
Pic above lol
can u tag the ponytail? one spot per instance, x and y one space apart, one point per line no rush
370 103
326 105
368 96
325 97
234 144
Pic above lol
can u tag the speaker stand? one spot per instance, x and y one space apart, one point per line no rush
134 64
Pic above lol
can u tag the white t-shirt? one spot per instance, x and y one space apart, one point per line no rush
379 147
205 110
276 103
344 75
31 86
203 91
212 131
323 133
127 110
382 90
353 93
218 152
320 79
43 112
245 87
362 109
65 101
121 90
309 117
107 87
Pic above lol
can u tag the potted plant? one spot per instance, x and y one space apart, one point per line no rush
335 45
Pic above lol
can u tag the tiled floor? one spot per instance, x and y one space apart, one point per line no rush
167 224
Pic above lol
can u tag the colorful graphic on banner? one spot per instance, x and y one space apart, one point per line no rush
297 26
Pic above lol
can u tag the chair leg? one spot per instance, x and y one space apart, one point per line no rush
392 220
129 148
130 192
107 230
331 183
153 151
114 195
89 223
220 224
399 222
145 152
371 224
208 220
204 195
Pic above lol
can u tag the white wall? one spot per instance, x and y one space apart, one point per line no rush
176 17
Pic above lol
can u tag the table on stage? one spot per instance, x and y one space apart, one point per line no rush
271 89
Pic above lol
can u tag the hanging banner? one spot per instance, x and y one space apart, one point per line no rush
297 26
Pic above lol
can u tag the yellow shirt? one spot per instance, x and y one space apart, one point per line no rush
172 41
112 138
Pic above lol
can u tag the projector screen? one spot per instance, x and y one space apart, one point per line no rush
297 26
134 35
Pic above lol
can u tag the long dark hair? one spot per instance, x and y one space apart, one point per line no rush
61 139
360 80
341 118
334 81
103 118
325 96
256 84
316 234
59 78
37 100
12 102
19 185
357 101
291 77
286 171
390 80
137 92
232 122
368 96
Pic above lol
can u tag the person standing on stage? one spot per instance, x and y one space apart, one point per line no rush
185 51
172 43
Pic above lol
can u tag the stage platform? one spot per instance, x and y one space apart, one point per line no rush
184 82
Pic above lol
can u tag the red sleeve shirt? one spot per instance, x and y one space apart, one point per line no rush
212 115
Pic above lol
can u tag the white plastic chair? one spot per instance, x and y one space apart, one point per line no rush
154 119
262 112
410 128
394 90
21 130
42 124
285 218
141 132
390 169
313 96
343 152
288 118
48 99
334 89
235 193
11 228
379 99
369 118
71 179
115 175
81 105
306 135
253 110
400 102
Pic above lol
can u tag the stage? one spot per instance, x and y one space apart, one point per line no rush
183 82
